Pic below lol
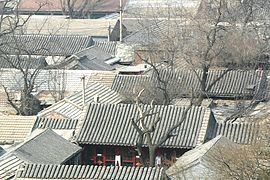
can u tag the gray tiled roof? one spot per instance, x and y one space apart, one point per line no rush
238 132
23 62
37 171
46 80
72 106
125 84
46 148
200 155
147 33
63 108
92 58
108 124
105 94
233 84
151 32
107 46
140 37
43 123
59 45
9 166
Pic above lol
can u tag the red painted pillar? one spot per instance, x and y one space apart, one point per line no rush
94 155
104 156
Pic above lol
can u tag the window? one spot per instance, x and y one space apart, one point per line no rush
127 155
99 156
89 156
110 156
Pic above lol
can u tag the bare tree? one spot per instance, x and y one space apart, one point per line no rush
201 41
28 104
146 131
78 8
9 24
224 38
223 34
243 161
159 88
56 84
11 21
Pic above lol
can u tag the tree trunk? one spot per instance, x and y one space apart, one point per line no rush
167 100
203 82
26 104
29 105
70 6
152 154
140 153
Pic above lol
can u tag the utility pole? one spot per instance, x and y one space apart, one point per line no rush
83 89
121 19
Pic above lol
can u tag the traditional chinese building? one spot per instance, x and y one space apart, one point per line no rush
108 136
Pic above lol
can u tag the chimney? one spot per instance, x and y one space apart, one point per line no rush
96 99
83 89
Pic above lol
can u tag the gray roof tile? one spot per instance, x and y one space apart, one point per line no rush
233 84
46 80
36 171
238 132
200 154
35 44
107 46
22 61
91 58
109 124
72 106
43 123
9 166
46 148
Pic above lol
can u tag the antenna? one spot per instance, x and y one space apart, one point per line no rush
120 22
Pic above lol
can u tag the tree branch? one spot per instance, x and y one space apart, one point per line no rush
10 101
168 134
